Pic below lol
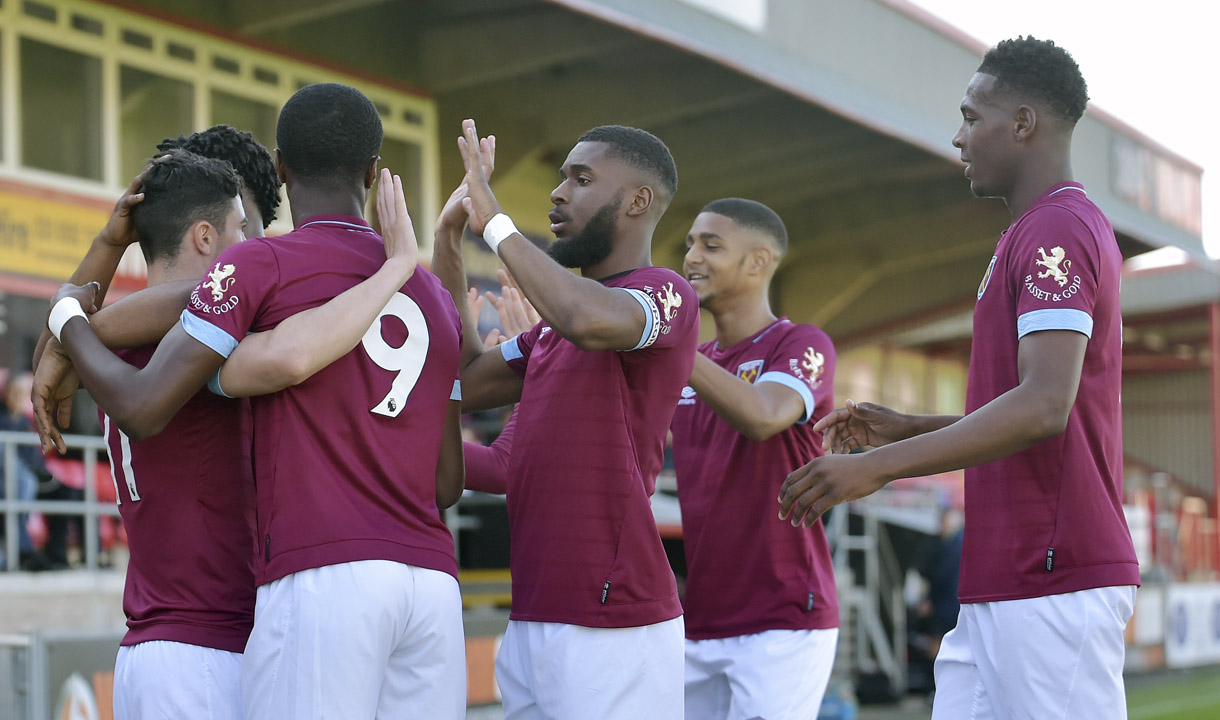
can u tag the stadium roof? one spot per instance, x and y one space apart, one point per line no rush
837 114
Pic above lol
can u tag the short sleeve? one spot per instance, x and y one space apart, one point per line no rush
516 350
804 361
226 303
1053 263
671 308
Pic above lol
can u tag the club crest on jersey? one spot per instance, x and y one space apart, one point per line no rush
810 367
1056 264
670 302
220 279
986 278
749 371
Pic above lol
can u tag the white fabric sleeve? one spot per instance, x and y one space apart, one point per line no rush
652 318
801 388
1055 319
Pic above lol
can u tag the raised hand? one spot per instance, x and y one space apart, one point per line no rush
480 202
453 215
396 228
85 294
861 425
55 382
516 313
119 230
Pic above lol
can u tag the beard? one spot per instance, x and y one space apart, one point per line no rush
593 243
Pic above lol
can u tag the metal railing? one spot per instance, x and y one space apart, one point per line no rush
90 509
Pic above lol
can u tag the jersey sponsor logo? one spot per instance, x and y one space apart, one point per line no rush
986 278
809 367
220 280
1056 264
749 371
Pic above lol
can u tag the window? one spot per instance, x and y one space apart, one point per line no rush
255 117
61 110
151 108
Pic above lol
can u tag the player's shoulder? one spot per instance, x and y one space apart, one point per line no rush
789 332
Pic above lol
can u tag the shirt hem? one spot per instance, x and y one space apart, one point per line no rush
822 623
188 634
1088 577
611 616
344 551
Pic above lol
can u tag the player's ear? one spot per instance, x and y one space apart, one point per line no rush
203 237
371 174
280 171
760 260
640 201
1024 122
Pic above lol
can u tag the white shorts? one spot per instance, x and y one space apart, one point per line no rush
1058 656
553 671
777 675
162 680
364 639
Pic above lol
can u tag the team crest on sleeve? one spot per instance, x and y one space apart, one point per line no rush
749 371
986 278
220 279
670 302
1056 268
810 367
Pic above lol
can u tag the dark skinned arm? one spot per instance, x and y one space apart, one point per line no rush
450 466
140 402
583 311
1049 365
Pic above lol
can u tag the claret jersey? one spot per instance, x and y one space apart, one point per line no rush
590 440
1049 519
346 461
747 570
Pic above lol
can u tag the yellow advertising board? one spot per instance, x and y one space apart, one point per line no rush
45 234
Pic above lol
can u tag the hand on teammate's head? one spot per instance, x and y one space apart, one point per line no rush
119 230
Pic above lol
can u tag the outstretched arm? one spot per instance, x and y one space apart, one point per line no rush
757 411
487 465
1049 365
861 425
583 311
140 402
304 343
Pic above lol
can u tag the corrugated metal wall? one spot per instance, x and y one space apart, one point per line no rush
1167 424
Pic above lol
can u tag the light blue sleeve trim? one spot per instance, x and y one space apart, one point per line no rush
205 332
214 386
1055 319
801 387
652 318
456 394
510 351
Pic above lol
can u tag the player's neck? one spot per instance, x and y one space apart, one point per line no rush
1036 179
161 272
307 201
627 255
736 321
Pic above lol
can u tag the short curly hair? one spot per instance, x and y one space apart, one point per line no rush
640 149
1041 69
180 189
329 134
247 156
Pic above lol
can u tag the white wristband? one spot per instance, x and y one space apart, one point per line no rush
498 228
64 310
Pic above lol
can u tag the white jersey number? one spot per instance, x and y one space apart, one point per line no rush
407 360
123 454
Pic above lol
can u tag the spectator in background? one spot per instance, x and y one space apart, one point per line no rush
30 469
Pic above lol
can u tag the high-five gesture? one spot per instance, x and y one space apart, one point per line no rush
396 228
480 203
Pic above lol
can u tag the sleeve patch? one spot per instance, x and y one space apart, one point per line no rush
652 317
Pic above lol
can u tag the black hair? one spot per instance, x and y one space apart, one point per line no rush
328 134
1042 70
754 215
247 156
640 149
180 189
